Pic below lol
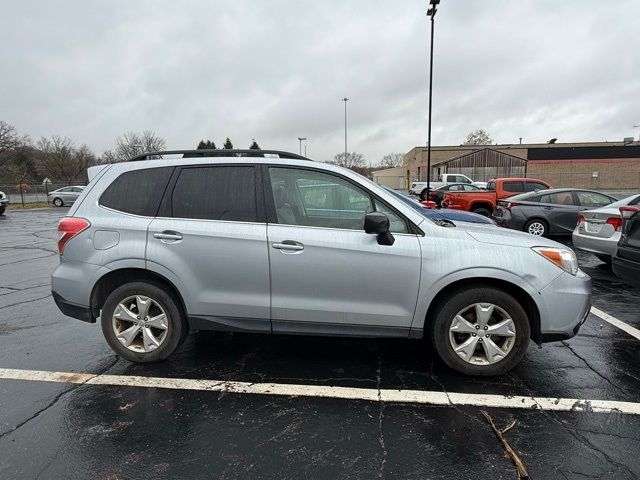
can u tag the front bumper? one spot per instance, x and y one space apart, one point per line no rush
567 303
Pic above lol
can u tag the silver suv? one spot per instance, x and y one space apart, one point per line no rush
275 243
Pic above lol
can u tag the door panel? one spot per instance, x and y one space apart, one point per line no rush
222 266
342 277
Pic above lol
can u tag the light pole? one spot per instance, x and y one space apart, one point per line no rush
431 12
301 139
345 100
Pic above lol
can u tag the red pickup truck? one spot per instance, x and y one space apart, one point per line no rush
484 202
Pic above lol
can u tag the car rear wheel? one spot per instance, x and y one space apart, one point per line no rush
424 195
143 323
58 202
536 227
480 331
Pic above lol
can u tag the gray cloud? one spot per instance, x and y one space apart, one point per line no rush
276 70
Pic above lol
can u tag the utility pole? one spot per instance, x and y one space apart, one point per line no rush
345 100
431 12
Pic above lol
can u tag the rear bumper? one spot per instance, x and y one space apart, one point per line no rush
598 245
73 310
627 270
568 303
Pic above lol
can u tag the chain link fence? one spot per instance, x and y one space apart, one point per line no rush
30 192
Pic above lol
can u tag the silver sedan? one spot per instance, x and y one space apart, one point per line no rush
65 195
598 230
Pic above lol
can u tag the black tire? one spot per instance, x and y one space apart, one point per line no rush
2 209
538 225
177 331
58 202
485 212
450 306
424 195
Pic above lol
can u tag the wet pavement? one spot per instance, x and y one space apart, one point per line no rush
61 430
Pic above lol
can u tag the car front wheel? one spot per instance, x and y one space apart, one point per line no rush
480 331
143 322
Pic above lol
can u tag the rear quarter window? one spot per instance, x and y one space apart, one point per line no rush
137 192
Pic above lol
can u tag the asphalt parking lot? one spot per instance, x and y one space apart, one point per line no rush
172 421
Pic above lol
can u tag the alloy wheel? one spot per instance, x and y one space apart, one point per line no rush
140 323
482 334
536 228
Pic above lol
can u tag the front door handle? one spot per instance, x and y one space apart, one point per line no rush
168 235
288 245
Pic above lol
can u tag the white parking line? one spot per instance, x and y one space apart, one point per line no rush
634 332
320 391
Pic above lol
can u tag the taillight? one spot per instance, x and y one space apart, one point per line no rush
615 222
68 228
627 212
581 219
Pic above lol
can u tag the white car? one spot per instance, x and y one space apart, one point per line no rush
4 201
598 230
420 188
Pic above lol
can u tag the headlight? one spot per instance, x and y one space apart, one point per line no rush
562 257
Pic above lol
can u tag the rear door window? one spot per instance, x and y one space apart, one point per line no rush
512 186
216 193
558 198
138 191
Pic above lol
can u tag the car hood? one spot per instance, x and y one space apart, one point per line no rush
504 236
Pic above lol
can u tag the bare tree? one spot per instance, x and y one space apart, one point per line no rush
392 160
9 141
130 144
58 159
351 160
478 137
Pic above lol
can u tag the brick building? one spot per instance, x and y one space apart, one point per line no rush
598 165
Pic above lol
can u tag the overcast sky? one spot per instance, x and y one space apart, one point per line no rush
276 70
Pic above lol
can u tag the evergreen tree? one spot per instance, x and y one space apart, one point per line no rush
206 145
228 145
254 146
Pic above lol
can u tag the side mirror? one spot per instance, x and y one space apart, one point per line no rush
378 223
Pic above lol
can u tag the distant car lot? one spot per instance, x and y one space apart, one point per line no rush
99 430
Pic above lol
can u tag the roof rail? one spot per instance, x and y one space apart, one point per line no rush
217 153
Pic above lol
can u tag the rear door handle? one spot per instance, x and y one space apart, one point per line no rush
167 235
288 245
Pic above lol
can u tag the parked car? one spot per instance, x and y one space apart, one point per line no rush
287 245
549 212
626 262
445 214
65 195
420 188
598 230
483 203
4 201
438 194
